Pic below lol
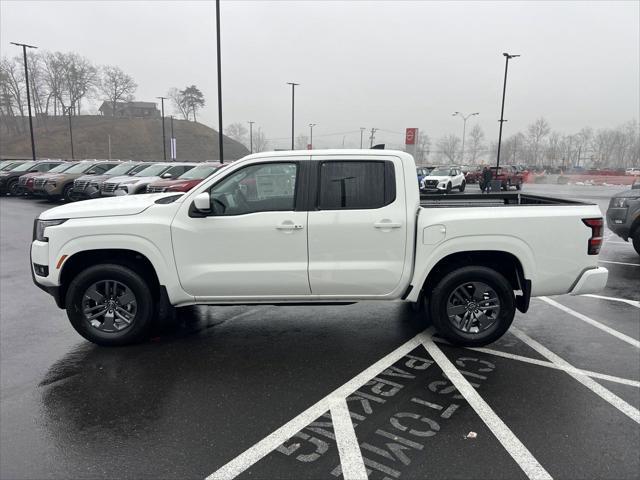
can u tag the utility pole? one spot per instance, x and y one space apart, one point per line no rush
293 104
220 136
109 142
173 141
69 108
251 136
504 90
362 129
26 77
464 129
372 137
311 125
164 139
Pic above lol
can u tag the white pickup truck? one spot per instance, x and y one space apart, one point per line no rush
327 227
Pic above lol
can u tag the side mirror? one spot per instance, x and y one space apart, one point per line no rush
202 202
167 175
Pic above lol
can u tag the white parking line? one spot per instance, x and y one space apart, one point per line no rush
608 396
525 460
591 321
620 263
265 446
542 363
633 303
351 461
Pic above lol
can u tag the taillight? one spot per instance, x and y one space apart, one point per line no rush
595 242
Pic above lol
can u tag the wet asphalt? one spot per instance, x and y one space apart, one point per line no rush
198 395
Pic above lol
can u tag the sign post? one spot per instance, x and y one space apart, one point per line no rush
411 140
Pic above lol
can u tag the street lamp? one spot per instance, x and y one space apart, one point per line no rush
504 90
220 135
293 102
464 128
311 125
164 139
26 78
69 108
251 136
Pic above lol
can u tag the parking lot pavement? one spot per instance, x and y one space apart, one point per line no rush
323 392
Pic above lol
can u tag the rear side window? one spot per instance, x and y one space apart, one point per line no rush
356 185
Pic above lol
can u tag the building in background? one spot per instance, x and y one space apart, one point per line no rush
130 109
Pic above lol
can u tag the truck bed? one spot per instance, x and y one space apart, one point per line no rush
502 199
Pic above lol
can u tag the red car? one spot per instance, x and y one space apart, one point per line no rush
187 180
26 181
508 175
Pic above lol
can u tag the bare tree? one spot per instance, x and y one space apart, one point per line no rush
54 65
301 142
260 141
117 86
476 137
554 148
12 78
81 78
423 147
536 133
238 132
192 99
448 146
179 102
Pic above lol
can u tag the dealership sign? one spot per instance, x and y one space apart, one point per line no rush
410 136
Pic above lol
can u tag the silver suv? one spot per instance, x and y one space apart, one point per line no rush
126 185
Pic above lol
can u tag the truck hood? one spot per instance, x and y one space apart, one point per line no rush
104 207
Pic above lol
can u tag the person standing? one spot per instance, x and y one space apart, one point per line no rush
486 180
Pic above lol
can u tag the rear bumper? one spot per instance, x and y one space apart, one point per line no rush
591 281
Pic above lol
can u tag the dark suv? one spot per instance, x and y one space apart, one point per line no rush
623 216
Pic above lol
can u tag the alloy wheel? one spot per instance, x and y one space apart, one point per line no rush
109 306
473 307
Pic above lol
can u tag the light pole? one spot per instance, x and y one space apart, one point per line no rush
293 103
372 137
26 78
251 136
220 136
311 125
504 90
69 108
164 139
362 129
464 129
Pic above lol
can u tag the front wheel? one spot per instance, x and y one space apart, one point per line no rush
14 188
472 306
636 240
449 187
463 186
110 305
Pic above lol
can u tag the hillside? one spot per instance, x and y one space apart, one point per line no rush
136 139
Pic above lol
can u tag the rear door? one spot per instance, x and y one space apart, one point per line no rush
357 228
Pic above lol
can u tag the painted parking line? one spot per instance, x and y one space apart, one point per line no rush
620 263
523 457
258 451
350 456
591 321
608 396
633 303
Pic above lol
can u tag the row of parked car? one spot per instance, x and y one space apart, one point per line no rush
79 180
447 178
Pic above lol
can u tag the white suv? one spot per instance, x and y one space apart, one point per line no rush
444 179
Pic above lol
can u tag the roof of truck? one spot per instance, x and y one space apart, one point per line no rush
337 151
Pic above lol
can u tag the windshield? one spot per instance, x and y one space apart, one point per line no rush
80 168
440 172
9 166
138 168
62 167
121 169
202 171
24 167
153 170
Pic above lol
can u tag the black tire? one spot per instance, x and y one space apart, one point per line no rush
13 188
438 302
67 193
463 185
142 320
519 186
636 240
449 187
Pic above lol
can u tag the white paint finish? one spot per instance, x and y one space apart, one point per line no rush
591 321
349 252
351 461
591 281
633 303
542 363
525 460
608 396
620 263
258 451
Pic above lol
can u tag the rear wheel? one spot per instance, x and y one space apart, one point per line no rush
110 305
636 240
13 188
472 306
463 186
67 193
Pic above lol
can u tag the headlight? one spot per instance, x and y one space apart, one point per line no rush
41 225
621 202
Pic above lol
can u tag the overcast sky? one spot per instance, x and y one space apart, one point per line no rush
385 64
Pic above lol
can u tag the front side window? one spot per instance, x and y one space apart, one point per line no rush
266 187
356 185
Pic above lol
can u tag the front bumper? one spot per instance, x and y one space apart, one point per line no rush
591 281
39 255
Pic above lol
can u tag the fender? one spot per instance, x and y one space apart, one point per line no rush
427 259
164 267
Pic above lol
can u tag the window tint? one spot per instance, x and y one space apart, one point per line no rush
257 188
178 170
355 185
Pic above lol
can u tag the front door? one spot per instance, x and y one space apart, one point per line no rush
358 230
254 244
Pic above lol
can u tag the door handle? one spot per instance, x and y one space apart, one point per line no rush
386 225
289 226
